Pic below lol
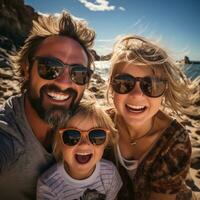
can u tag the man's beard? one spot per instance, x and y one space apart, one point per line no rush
56 116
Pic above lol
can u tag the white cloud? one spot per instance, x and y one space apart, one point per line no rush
139 27
137 22
98 5
104 46
57 14
43 14
104 40
103 49
121 8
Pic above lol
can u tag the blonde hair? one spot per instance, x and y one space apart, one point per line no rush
138 50
93 112
47 26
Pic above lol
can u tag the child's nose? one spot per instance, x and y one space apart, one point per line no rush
64 77
84 140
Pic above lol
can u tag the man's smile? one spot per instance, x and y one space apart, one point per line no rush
58 96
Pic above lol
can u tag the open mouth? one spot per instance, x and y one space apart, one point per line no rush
83 158
135 109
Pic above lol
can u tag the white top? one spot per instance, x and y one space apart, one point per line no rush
104 183
129 165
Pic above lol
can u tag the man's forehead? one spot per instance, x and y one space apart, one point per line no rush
61 39
64 48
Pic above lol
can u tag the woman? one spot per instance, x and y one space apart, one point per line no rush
154 150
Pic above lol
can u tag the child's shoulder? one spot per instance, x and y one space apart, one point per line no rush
107 165
109 175
50 173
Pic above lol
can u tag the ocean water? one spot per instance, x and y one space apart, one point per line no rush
192 70
102 68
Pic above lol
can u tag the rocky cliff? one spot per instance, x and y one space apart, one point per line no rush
15 24
16 20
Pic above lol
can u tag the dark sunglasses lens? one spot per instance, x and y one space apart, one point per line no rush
123 83
97 136
71 137
80 74
48 68
153 86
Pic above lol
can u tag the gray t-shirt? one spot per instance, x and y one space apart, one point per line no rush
103 184
22 157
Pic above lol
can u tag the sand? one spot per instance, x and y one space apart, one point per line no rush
9 86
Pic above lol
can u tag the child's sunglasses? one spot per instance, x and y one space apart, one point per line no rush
150 86
50 68
72 136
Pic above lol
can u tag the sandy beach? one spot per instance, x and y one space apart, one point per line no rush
9 86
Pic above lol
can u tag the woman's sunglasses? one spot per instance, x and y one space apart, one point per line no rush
150 86
50 68
72 136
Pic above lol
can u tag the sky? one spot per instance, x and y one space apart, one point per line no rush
175 24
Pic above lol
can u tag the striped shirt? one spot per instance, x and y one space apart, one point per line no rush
55 183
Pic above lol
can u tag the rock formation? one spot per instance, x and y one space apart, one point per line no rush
186 60
16 20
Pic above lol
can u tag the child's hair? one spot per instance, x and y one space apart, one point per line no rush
140 51
88 110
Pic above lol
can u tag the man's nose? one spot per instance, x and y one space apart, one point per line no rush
64 77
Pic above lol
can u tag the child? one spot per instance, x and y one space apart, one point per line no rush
80 173
153 149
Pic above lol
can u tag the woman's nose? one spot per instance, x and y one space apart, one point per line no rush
136 90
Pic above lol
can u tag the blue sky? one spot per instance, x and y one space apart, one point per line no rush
174 23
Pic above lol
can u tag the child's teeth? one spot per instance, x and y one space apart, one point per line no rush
83 154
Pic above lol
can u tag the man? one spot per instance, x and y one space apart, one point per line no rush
54 65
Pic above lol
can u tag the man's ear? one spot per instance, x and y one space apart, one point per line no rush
26 72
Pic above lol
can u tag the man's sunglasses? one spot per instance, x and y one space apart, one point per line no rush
50 68
72 136
150 86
